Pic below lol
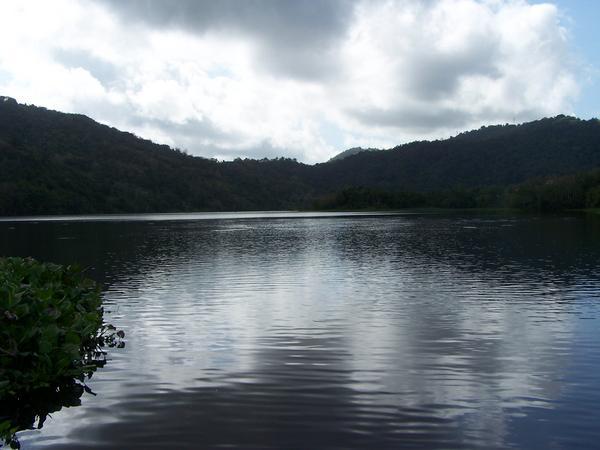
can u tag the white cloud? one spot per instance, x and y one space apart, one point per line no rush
431 69
398 70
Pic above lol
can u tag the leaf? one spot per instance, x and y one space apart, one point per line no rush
51 331
72 338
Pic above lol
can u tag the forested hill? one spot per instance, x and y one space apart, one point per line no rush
350 152
496 155
51 163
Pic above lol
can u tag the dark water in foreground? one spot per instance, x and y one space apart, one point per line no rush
408 331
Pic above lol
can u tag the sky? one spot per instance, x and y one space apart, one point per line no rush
302 79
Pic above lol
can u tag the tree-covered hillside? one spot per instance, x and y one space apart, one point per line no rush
490 156
53 163
350 152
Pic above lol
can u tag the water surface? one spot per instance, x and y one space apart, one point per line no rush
334 331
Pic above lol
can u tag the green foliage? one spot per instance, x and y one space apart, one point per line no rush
366 198
51 331
541 194
55 163
549 194
48 315
502 156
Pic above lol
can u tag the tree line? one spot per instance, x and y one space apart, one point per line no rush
546 194
57 163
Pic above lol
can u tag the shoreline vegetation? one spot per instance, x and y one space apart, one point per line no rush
579 192
52 335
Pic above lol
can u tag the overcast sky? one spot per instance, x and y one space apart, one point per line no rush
301 78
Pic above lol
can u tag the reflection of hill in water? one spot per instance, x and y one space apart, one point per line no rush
433 331
500 244
473 242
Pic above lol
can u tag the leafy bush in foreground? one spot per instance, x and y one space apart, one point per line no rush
51 334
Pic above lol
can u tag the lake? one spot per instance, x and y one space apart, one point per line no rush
304 330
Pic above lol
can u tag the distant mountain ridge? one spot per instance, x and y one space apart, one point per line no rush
498 155
53 163
350 152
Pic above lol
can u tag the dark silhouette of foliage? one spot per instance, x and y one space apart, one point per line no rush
366 198
491 156
547 194
576 191
56 163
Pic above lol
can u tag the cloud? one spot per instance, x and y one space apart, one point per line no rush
432 68
303 79
296 38
423 119
102 70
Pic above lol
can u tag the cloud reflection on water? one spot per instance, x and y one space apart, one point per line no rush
413 331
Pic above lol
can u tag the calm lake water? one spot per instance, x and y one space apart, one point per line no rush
294 331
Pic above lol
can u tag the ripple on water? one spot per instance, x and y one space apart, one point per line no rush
416 331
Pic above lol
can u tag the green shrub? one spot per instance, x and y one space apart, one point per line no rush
51 334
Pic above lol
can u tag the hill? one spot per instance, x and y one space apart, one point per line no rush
350 152
490 156
55 163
